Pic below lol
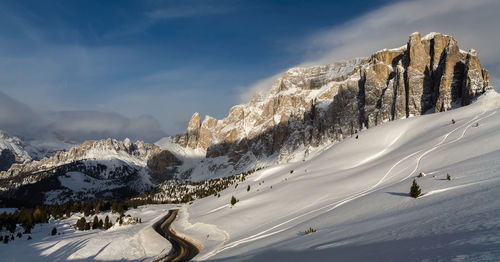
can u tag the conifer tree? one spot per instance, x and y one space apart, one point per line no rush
106 223
233 200
95 223
80 224
415 189
248 188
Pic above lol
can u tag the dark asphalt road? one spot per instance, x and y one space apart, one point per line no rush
182 250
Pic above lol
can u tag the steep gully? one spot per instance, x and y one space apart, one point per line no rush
182 249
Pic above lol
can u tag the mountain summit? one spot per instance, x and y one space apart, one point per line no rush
309 106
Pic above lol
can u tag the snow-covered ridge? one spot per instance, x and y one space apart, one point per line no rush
104 168
134 153
310 106
15 146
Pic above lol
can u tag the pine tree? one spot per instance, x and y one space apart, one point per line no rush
54 231
106 223
233 200
80 224
95 223
415 189
248 188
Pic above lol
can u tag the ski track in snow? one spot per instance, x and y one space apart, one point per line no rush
220 246
373 188
437 191
468 124
376 155
217 209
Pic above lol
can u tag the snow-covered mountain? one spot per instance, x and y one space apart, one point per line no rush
11 151
304 111
354 193
104 169
311 107
14 149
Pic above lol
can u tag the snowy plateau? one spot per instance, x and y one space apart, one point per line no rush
344 200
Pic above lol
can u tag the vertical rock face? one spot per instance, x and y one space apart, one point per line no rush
307 106
7 158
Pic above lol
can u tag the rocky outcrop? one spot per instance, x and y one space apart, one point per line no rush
7 158
12 150
163 166
308 106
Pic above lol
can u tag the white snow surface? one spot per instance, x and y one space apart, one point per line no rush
129 242
354 193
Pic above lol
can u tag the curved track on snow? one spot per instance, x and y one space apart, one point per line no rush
182 250
377 186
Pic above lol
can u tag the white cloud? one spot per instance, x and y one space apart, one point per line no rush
88 125
257 88
19 119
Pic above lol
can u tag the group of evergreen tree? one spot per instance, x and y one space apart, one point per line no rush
27 217
175 192
5 239
97 223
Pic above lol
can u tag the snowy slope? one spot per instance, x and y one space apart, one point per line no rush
354 193
130 242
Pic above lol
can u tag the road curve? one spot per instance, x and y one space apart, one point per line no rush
182 250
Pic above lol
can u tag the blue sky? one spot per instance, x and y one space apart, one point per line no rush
165 60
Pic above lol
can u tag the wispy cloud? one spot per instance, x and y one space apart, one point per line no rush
185 11
19 119
473 23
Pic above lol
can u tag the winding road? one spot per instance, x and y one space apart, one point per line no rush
182 250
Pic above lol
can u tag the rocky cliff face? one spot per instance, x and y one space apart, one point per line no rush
12 150
308 106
